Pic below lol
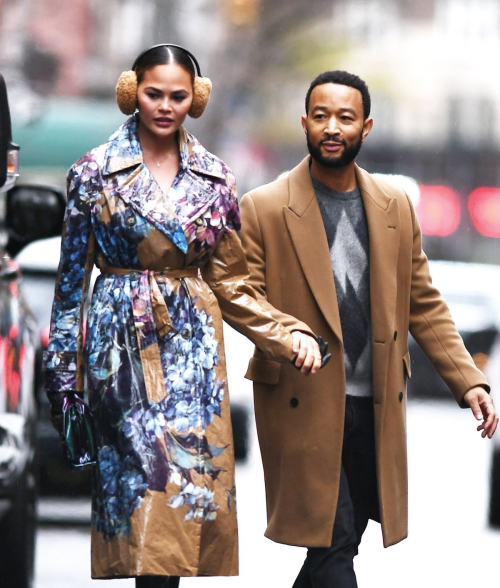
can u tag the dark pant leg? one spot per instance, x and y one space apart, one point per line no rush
358 502
332 567
359 462
157 582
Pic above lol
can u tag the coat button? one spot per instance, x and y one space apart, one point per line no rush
199 221
185 333
294 402
400 397
131 221
395 335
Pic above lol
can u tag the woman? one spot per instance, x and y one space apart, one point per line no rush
158 215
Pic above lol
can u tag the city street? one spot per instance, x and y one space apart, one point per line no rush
449 543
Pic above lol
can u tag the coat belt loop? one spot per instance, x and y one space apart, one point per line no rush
160 311
149 350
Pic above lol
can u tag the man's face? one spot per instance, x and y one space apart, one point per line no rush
335 127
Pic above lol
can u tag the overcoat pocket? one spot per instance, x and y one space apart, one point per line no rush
264 371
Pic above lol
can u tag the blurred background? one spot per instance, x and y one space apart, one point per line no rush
432 69
431 66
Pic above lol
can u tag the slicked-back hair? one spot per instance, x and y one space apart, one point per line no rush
343 78
162 56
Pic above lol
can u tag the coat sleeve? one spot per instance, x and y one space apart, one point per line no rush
433 328
253 246
227 274
63 362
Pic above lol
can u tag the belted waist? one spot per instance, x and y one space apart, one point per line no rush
151 319
147 298
187 272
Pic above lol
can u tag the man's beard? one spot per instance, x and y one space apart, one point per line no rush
349 154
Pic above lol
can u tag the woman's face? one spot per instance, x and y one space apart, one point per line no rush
164 97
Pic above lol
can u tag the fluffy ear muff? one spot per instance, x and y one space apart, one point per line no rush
201 95
126 92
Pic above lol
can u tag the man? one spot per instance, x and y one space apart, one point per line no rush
334 444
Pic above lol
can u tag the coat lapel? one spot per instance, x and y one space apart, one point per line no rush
306 228
305 225
384 228
143 194
191 194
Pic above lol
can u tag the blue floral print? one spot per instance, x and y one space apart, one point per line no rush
151 355
110 215
122 491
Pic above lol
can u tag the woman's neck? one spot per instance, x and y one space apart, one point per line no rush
157 146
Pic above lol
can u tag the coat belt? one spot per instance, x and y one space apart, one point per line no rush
151 318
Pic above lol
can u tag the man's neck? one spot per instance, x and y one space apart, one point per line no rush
340 179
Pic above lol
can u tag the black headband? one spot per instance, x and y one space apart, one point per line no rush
191 56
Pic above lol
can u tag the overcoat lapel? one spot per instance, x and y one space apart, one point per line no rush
145 197
384 228
306 228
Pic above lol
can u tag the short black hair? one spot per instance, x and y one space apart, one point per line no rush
343 78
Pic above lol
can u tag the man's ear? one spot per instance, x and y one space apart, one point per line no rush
303 120
367 127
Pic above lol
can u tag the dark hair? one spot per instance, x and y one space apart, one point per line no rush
343 78
162 56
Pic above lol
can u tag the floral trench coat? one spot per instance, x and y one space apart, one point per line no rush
153 357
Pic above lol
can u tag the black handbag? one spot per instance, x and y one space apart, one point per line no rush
78 439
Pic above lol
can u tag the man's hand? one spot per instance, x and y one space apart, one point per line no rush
482 407
308 358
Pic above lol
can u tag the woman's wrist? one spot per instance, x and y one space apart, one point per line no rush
56 398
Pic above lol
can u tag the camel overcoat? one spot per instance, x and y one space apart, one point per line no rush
300 419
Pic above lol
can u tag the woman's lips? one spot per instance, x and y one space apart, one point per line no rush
163 121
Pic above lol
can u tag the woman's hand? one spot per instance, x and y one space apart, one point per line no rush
308 358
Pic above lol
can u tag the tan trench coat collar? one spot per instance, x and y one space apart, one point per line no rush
305 224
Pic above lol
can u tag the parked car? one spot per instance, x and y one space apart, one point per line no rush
472 291
38 262
20 353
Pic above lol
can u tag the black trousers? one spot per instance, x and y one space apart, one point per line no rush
332 567
157 582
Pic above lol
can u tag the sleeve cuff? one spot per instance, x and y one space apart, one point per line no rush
60 371
64 361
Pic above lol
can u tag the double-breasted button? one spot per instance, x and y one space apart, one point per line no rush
395 335
400 397
294 402
185 333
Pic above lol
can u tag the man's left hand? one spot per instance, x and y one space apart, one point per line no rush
482 407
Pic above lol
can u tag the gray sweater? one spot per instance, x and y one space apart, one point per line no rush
347 233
